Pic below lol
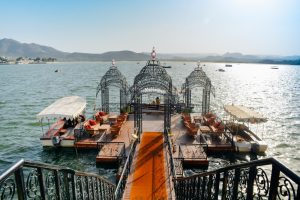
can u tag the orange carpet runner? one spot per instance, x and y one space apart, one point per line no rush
149 181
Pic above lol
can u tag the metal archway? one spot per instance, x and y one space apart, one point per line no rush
198 78
151 77
113 77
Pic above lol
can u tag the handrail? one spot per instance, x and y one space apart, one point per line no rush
34 180
170 154
126 169
12 169
260 179
265 161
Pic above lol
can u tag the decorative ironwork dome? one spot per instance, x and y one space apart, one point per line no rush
198 78
113 77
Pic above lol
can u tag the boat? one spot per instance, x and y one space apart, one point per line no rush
243 138
274 67
167 66
228 65
221 70
67 115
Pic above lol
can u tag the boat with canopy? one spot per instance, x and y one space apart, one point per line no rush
243 138
67 113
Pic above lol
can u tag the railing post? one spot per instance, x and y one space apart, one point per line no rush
203 187
274 182
237 174
57 184
72 179
41 182
225 182
19 177
250 182
217 185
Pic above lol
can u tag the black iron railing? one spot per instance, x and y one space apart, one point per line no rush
261 179
170 154
32 180
126 170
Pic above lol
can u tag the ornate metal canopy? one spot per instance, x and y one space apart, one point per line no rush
198 78
153 75
152 78
113 77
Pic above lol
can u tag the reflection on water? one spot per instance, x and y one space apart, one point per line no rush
27 89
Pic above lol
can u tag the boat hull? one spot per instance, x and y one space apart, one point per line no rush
244 147
47 142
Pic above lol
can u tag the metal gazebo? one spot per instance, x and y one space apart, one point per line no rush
198 78
113 77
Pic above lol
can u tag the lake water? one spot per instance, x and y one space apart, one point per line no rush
25 90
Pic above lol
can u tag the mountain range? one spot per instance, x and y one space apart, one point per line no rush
12 49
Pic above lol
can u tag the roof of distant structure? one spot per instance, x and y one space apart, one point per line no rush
66 107
244 114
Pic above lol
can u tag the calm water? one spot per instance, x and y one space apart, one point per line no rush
27 89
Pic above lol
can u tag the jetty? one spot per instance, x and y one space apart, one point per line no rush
152 142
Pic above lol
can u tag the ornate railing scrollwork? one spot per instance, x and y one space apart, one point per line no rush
50 185
285 189
31 180
251 180
262 183
7 189
32 185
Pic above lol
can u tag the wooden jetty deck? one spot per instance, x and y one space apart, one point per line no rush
193 155
110 152
148 178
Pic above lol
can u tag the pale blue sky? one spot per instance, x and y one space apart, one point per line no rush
269 27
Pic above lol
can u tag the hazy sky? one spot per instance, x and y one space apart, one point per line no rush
172 26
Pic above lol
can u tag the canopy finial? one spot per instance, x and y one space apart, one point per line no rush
153 54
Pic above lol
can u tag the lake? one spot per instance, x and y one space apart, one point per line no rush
25 90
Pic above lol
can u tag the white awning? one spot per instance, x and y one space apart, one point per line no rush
67 107
244 114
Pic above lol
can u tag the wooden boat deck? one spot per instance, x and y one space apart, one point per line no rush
218 143
215 142
105 136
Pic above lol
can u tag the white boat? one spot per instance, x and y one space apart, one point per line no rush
242 137
67 114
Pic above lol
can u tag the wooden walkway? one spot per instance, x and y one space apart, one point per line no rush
148 179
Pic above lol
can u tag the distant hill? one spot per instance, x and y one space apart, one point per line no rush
13 49
108 56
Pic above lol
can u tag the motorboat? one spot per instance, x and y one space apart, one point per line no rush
228 65
221 70
243 138
66 115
